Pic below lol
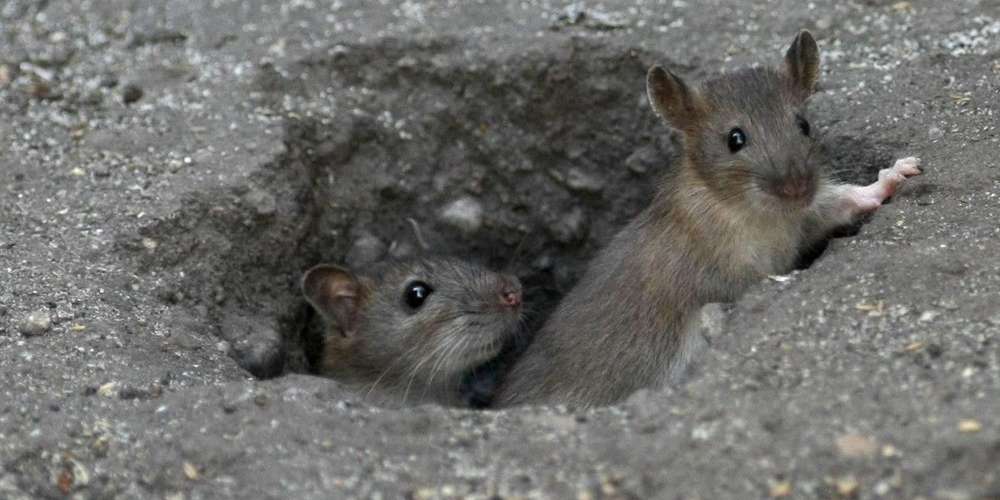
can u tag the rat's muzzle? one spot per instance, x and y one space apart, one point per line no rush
797 190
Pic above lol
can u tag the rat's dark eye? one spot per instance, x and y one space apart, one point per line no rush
737 139
803 125
416 293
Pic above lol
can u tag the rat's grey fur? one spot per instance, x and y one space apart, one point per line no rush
397 355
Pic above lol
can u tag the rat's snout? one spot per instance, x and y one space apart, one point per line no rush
797 189
510 294
511 298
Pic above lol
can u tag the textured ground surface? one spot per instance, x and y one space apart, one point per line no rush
169 168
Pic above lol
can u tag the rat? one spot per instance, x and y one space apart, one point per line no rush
746 195
409 330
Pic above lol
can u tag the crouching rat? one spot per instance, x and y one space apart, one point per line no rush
746 195
408 331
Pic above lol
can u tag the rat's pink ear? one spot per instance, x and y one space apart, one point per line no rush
802 64
672 99
336 294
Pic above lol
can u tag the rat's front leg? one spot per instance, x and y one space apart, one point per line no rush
841 204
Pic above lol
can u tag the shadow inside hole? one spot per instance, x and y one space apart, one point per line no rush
809 254
856 160
353 181
853 160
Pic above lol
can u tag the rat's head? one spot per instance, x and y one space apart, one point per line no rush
427 319
744 133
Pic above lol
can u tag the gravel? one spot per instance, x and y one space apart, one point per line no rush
225 147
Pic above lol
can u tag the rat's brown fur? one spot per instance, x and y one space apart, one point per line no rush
715 226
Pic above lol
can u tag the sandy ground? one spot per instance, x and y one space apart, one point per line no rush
169 170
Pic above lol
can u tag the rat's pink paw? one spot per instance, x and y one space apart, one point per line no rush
909 166
862 199
889 179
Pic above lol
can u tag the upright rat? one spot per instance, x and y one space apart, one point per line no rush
745 196
412 329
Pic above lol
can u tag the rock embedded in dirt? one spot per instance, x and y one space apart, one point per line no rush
571 227
464 214
856 446
583 182
35 323
366 249
254 343
261 202
643 160
131 93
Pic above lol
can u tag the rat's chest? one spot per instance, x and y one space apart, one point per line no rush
761 248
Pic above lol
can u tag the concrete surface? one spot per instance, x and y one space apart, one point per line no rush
169 168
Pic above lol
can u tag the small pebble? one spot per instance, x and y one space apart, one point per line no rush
131 93
643 160
781 489
191 471
571 227
100 170
847 486
935 133
108 390
365 250
36 323
81 476
856 446
581 181
464 214
424 494
262 202
969 425
713 319
948 304
928 316
882 488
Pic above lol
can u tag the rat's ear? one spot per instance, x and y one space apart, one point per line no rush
672 99
802 63
336 294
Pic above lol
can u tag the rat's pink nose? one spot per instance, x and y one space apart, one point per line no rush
796 189
510 297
